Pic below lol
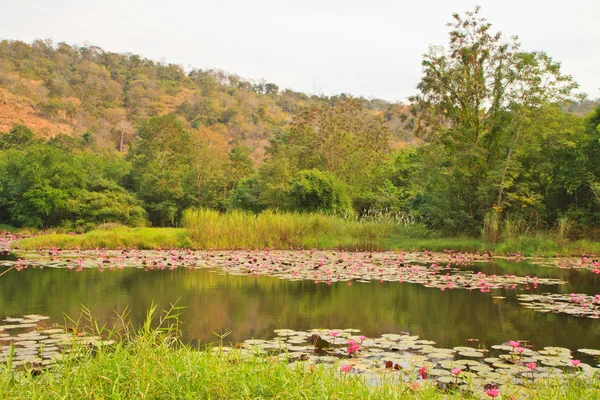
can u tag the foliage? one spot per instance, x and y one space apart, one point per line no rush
486 111
119 138
129 368
44 186
315 190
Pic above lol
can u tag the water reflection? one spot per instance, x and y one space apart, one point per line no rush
255 306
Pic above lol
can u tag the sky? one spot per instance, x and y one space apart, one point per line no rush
365 48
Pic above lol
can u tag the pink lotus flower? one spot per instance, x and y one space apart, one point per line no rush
520 350
362 337
456 371
423 373
353 347
334 333
346 367
514 344
575 363
492 392
531 366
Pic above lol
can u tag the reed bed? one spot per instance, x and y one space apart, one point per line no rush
235 230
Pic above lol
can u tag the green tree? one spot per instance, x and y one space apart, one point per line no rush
477 109
338 137
320 191
159 167
19 136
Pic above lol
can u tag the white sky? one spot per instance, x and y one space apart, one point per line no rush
370 48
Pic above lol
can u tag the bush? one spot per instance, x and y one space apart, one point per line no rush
314 190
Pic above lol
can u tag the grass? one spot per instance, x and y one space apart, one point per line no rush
151 363
210 229
207 229
116 238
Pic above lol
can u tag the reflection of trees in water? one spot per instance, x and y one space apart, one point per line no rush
255 306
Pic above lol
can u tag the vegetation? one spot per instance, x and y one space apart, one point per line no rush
208 229
153 363
497 155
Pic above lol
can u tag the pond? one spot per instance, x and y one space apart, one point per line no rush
249 303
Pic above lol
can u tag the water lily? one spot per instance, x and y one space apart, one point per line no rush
456 371
492 392
576 363
353 347
346 367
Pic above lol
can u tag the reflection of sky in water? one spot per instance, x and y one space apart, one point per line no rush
255 306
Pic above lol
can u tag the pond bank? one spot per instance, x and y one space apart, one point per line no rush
168 238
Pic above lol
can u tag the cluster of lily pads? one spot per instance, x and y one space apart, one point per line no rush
578 305
585 262
444 271
26 342
412 359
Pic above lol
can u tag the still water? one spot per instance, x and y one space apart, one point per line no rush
252 307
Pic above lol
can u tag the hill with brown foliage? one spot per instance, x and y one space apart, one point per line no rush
61 89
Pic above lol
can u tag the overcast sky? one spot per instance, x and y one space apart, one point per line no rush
366 48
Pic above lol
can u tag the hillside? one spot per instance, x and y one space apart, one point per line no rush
59 88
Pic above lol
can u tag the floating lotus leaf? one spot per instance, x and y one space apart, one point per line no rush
52 331
408 338
9 319
556 363
394 337
436 355
296 341
590 352
438 372
285 332
470 363
480 368
472 354
449 364
502 365
376 350
19 326
491 360
449 380
464 348
36 317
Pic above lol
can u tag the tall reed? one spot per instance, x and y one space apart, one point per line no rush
236 229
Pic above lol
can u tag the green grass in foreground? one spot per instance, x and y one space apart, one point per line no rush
151 363
207 229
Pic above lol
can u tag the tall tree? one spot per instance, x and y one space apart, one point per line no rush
478 103
159 168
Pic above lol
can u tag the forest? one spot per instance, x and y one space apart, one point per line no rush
496 141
